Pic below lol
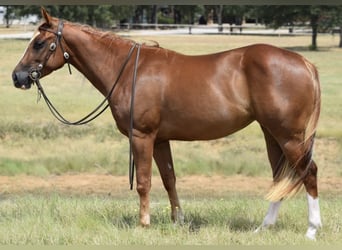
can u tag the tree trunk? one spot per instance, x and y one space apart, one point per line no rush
314 25
219 18
154 16
8 17
340 45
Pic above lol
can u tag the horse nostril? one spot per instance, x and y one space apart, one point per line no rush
15 80
21 79
14 77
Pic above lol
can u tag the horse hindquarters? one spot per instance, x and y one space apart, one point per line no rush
285 99
285 94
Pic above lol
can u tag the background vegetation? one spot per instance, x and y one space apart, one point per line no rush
321 18
33 143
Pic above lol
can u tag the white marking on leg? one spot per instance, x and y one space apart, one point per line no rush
314 217
169 166
145 220
179 216
271 216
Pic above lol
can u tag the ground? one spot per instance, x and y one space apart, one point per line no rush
93 184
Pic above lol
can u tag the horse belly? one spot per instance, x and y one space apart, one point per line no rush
204 124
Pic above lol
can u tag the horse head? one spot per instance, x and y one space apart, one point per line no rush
42 55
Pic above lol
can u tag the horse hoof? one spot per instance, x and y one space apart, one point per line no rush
258 230
145 220
310 236
311 233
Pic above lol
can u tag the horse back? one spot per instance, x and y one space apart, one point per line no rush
211 96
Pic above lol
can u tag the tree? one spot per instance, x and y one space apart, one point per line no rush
234 14
333 19
276 16
187 13
25 10
321 18
214 13
9 15
337 15
314 15
96 15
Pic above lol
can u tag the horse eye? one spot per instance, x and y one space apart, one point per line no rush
38 44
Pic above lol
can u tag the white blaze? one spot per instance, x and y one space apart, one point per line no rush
33 37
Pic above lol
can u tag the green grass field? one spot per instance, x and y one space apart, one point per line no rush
33 143
68 220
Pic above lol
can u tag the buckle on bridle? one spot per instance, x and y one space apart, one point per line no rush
34 74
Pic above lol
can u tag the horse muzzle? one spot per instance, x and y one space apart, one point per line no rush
22 79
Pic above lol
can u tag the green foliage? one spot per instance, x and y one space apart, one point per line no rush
164 19
320 17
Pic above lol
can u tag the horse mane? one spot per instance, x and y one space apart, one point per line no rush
109 37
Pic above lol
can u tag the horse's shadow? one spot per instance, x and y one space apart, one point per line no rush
194 222
242 224
235 224
126 221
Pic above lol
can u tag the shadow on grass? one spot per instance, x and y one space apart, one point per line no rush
126 221
242 224
236 224
195 222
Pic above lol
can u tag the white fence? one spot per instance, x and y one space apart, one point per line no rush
248 29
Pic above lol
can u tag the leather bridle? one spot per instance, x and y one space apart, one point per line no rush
35 74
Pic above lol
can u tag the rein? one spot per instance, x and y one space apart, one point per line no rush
35 75
99 109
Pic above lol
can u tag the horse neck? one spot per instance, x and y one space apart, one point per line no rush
96 57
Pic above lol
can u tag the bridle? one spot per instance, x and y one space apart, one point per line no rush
35 74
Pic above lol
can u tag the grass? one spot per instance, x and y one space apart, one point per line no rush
66 220
33 143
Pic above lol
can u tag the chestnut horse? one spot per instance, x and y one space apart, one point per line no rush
180 97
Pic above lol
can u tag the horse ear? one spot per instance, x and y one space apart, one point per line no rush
46 16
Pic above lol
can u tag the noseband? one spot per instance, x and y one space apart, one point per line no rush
35 73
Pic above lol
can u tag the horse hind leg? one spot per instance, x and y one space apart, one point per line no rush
302 170
163 158
276 158
310 183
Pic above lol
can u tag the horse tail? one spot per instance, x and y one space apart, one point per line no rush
287 183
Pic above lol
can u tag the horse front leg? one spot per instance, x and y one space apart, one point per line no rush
142 152
163 158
